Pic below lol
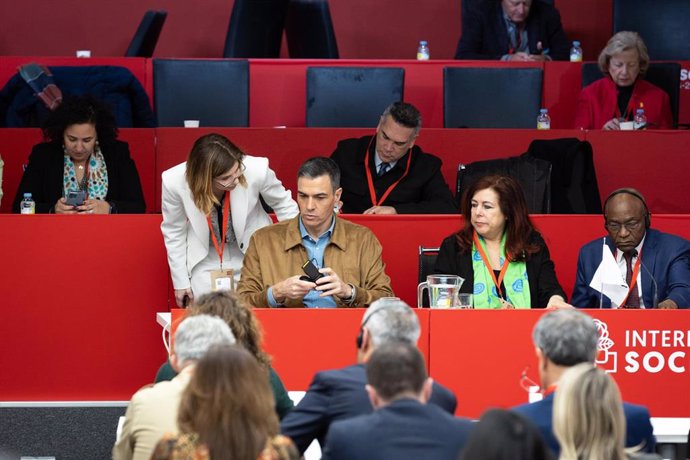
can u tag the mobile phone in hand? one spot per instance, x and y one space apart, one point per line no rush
75 197
312 272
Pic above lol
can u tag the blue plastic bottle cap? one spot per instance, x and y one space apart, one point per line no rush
576 43
543 110
423 42
27 195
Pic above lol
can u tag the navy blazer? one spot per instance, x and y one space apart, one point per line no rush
422 191
43 178
404 429
664 256
484 34
336 395
638 426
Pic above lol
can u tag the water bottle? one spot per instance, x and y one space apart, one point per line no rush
640 120
27 206
543 120
576 52
423 51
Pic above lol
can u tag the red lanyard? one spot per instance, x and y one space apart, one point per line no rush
370 180
550 389
633 278
485 258
223 230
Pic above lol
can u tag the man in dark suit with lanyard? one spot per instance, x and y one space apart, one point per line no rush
654 265
388 174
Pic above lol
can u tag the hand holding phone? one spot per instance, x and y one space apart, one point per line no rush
312 272
75 197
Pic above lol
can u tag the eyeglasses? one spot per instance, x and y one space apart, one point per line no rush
615 227
527 383
231 180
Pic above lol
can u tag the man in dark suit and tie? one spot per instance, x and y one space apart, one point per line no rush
654 265
564 338
388 174
512 30
403 426
339 394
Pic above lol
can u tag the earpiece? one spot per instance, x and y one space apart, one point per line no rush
636 194
360 336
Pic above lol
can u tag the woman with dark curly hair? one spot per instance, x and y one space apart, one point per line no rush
504 261
81 168
247 331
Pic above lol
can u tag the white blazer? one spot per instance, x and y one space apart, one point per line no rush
185 230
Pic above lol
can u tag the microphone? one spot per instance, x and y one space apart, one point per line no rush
655 297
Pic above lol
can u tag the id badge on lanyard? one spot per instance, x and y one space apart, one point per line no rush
221 279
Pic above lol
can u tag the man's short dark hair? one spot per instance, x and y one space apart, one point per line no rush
567 337
404 114
396 369
321 166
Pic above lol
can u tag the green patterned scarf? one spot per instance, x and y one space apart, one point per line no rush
515 280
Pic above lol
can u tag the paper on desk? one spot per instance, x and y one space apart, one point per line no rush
608 278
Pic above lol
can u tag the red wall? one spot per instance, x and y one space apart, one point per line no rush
364 28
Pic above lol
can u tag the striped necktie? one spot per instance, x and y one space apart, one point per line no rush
383 168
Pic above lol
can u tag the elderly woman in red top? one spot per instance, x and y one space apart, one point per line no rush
607 102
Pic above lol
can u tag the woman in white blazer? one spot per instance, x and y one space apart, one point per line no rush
217 177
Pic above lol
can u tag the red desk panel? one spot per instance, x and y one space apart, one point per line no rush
480 355
16 145
303 342
288 148
654 162
278 88
79 301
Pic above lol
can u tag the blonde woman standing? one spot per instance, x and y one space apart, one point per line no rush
588 417
211 207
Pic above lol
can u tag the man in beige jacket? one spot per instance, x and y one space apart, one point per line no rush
346 257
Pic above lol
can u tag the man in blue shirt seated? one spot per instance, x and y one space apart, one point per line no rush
345 258
564 338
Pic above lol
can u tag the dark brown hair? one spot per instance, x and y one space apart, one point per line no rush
229 404
243 324
511 200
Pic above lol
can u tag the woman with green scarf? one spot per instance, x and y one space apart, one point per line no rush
503 259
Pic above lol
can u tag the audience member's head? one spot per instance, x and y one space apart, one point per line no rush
397 131
81 110
396 370
503 210
626 218
505 435
213 165
625 50
387 320
563 338
405 115
317 167
588 418
229 404
241 319
195 335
